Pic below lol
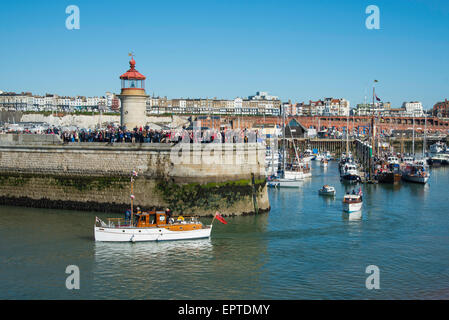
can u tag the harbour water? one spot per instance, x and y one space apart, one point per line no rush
305 248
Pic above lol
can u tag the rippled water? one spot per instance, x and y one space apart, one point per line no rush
305 248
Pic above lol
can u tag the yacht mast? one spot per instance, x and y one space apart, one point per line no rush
424 145
413 140
347 136
283 141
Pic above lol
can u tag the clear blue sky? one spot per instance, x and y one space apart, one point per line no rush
297 50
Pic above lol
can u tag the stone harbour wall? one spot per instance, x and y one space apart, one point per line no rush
189 178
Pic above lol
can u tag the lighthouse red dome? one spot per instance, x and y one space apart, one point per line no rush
132 74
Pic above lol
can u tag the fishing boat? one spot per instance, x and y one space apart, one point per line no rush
151 226
349 172
389 173
327 190
415 173
353 202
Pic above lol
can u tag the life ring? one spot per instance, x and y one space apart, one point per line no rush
180 218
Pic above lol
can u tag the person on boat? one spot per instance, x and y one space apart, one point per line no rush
127 216
353 192
168 214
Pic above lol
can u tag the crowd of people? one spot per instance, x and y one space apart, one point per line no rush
114 134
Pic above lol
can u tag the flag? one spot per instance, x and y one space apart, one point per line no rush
220 218
134 173
360 192
377 98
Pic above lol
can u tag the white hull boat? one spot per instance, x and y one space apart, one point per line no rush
352 207
327 191
307 174
151 225
131 234
415 178
284 183
352 202
307 158
416 173
294 175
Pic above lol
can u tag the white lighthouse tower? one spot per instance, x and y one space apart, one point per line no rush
133 98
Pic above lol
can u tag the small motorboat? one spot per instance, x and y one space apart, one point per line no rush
323 162
416 173
353 202
327 190
150 226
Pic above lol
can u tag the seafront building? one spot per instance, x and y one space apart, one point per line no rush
26 101
441 109
321 107
260 104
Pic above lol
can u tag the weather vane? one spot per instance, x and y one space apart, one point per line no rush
131 54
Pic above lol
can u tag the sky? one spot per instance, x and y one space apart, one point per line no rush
297 50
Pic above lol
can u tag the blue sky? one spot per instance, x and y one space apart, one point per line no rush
297 50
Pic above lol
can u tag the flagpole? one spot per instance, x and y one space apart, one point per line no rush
132 212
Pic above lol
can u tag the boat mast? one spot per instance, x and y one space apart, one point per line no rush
283 140
413 139
424 145
294 144
132 198
347 136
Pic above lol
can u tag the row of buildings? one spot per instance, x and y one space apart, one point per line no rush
26 101
261 104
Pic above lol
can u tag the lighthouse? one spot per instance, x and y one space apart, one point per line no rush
133 98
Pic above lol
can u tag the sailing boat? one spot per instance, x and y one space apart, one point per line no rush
348 167
289 178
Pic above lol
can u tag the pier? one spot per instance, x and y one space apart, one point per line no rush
197 179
